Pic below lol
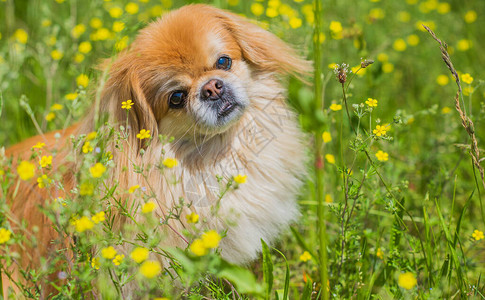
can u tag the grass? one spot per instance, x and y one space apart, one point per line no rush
388 208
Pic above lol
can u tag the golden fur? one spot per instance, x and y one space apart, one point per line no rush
264 142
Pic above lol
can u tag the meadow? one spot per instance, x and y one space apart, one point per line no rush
392 207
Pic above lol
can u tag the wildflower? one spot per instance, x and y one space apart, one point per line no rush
91 136
118 259
95 23
333 66
150 268
86 189
26 170
148 207
240 179
443 8
442 80
144 134
380 130
78 58
108 252
99 217
371 102
478 235
87 147
56 54
330 158
21 36
387 67
83 224
132 189
97 170
380 253
4 235
198 248
85 47
468 90
271 12
328 198
211 239
45 161
399 45
365 63
407 280
122 43
336 29
50 116
139 254
100 35
382 156
382 57
306 256
445 110
131 8
39 145
466 78
470 16
376 13
192 218
295 22
78 30
413 40
335 107
115 12
43 181
403 16
118 26
464 45
46 23
341 72
56 107
326 137
82 80
95 263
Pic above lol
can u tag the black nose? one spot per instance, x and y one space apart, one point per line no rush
212 90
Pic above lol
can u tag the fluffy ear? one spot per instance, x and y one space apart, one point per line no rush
263 49
123 84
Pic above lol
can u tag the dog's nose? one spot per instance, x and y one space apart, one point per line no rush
212 90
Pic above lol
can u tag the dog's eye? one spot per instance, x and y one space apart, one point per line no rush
177 99
224 63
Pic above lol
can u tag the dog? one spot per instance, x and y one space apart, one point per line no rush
212 80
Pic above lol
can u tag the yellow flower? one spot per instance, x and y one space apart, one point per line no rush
442 80
413 40
21 36
376 13
144 134
85 47
407 280
150 269
380 253
233 2
419 25
380 130
464 45
198 248
56 106
91 136
45 161
132 189
46 23
78 30
95 263
382 57
295 22
50 116
26 170
443 8
131 8
127 104
403 16
466 78
108 252
122 43
43 181
83 224
371 102
139 254
82 80
115 12
118 259
101 34
95 23
336 30
118 26
86 189
445 110
468 90
335 107
387 67
148 207
478 235
271 12
78 58
382 156
332 66
330 158
240 179
211 239
326 137
87 147
98 218
56 54
192 218
4 235
97 170
328 198
306 256
470 16
39 145
399 45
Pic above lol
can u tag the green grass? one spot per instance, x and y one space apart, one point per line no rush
414 212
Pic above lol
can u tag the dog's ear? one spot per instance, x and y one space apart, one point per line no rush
263 49
122 85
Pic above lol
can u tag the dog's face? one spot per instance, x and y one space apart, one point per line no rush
192 73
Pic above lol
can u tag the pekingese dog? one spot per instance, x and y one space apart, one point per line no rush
211 80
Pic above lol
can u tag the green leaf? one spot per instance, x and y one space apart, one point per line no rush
243 279
287 276
267 269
